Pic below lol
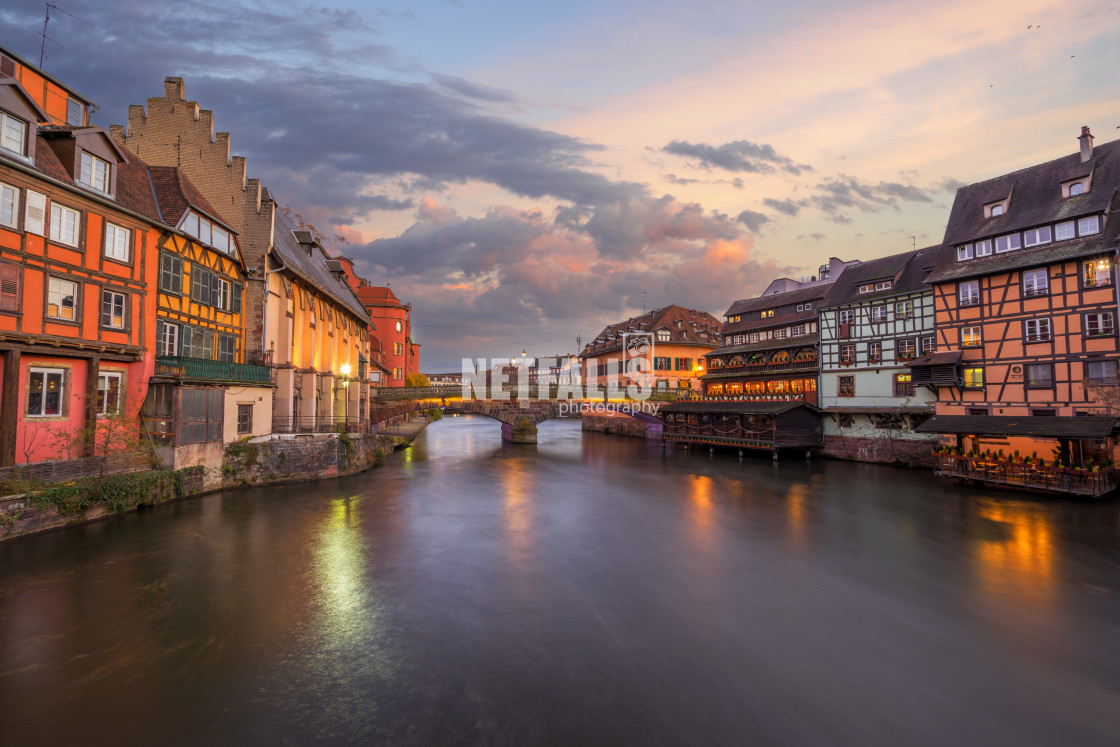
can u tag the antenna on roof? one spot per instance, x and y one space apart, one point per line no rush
914 243
43 34
643 302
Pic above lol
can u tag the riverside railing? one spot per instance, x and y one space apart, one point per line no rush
200 369
1030 475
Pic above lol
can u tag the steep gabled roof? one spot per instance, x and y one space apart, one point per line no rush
378 295
812 293
695 328
175 194
908 272
312 269
1035 195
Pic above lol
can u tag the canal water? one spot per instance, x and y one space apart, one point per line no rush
591 590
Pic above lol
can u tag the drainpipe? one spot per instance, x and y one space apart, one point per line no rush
264 318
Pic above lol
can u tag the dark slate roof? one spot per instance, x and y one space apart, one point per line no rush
951 269
312 269
943 358
908 272
880 410
737 407
752 347
1082 426
778 301
1036 195
693 323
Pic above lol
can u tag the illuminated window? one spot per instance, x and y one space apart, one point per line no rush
974 377
44 391
1096 273
903 386
970 337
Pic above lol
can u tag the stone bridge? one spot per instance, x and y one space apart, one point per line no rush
519 418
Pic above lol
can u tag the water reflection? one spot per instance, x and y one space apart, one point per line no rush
590 590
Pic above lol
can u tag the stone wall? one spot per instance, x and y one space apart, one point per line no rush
880 450
620 425
299 458
64 470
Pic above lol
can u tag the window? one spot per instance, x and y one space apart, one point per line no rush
398 373
227 348
1098 325
1088 226
983 248
808 307
94 173
73 112
44 391
208 232
906 350
928 345
13 134
64 225
662 334
1101 372
1039 375
798 330
867 288
167 338
1037 330
113 307
995 211
1008 243
903 385
9 206
766 314
201 413
970 292
978 411
970 337
800 307
974 377
1036 282
964 252
1096 273
109 393
196 342
244 419
878 314
874 352
9 287
62 298
846 386
1064 231
662 364
847 354
171 273
781 334
116 242
684 364
753 337
847 316
1044 413
1076 188
883 285
1037 236
398 348
904 309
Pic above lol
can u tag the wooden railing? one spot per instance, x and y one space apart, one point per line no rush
1051 478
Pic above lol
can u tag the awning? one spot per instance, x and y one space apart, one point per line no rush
1086 426
947 358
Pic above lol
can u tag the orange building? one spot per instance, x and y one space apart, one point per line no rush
75 313
1026 310
671 340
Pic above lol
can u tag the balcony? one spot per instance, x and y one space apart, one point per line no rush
200 369
1028 475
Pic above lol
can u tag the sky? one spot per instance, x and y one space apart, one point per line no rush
525 173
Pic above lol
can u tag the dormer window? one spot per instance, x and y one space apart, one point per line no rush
208 232
13 134
995 210
1076 188
663 335
94 173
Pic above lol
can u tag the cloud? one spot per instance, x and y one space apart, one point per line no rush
738 155
813 236
752 220
789 207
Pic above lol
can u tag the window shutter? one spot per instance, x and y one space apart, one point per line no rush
35 217
235 304
9 287
106 308
160 332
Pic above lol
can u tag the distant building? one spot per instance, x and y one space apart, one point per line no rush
392 323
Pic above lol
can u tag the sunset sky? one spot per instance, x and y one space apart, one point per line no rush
522 173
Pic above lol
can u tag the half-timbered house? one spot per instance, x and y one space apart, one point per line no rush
74 273
877 318
1026 309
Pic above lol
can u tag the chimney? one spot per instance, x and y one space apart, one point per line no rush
1086 144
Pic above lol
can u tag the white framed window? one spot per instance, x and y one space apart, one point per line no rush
221 291
1076 188
167 338
1064 231
847 316
1088 226
883 285
73 112
94 172
983 248
13 134
62 299
874 352
867 288
9 206
878 314
1037 330
799 330
781 334
906 350
973 377
1036 236
1098 325
1036 282
1008 243
44 391
116 242
847 354
64 224
995 210
109 392
964 252
970 292
928 345
904 309
662 335
971 336
753 337
113 308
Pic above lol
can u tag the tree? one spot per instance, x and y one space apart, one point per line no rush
416 379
